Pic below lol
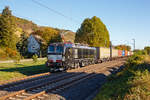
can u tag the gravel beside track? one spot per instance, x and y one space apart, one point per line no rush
77 83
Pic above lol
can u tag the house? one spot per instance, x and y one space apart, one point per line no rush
34 43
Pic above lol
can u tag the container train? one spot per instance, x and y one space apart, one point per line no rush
63 56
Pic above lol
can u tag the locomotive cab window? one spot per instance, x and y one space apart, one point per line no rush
59 49
51 48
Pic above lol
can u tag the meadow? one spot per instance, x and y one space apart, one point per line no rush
9 71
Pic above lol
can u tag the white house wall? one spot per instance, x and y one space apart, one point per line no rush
33 45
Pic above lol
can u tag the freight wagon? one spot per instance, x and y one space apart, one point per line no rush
115 53
102 54
63 56
120 53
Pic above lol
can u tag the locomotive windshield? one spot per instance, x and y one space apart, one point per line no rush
51 49
55 49
59 49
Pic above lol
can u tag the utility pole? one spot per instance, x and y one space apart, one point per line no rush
133 44
110 50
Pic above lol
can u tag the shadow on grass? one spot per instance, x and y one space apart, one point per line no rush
19 64
28 70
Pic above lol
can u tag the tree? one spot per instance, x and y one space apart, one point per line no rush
22 44
123 47
93 32
7 30
147 49
48 34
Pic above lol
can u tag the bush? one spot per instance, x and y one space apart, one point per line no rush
17 58
35 58
2 54
140 87
135 60
8 53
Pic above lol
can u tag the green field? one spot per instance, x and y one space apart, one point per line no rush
10 71
133 83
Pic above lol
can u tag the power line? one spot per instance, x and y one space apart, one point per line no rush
50 9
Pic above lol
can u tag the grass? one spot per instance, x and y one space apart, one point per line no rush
132 83
10 71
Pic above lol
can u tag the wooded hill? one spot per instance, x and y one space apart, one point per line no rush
27 26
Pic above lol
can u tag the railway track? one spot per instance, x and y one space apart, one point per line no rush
22 80
14 85
40 91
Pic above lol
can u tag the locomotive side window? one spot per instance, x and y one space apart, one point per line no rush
80 53
88 53
84 53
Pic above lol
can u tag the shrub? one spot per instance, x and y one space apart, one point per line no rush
10 52
140 89
2 54
17 58
135 60
35 58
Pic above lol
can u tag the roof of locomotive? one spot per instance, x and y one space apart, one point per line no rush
74 45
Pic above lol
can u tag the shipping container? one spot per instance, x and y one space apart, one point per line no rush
114 53
103 52
131 53
119 53
123 53
126 53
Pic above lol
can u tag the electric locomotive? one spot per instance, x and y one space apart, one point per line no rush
63 56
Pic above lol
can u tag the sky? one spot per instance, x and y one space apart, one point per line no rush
125 19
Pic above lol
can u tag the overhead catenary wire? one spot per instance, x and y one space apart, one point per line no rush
54 11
